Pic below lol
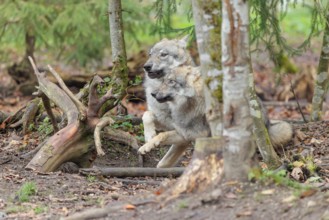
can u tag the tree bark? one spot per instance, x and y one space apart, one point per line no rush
207 17
239 148
260 132
119 72
206 166
321 84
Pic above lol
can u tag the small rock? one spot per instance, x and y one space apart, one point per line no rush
3 215
311 203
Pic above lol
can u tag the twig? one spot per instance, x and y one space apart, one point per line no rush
81 108
97 136
299 108
134 171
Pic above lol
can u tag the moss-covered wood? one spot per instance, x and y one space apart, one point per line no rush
322 79
260 132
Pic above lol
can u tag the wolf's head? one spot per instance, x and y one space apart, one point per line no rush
180 84
166 55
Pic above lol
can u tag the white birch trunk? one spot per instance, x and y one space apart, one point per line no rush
235 61
322 79
207 17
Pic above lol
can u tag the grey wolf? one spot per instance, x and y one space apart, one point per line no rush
182 89
171 108
163 56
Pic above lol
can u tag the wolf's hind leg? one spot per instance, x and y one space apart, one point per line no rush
149 125
173 154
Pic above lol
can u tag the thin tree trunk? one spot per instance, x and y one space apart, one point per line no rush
119 72
321 84
206 167
260 132
239 148
207 17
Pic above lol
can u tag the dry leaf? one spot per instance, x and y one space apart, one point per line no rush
130 207
316 141
231 196
298 164
268 192
308 193
297 174
289 199
244 213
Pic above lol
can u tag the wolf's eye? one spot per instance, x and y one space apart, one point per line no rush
171 82
163 54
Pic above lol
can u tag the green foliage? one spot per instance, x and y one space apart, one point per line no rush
278 177
74 30
27 189
45 127
39 209
91 178
166 15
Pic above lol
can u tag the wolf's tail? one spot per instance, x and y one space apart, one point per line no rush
280 133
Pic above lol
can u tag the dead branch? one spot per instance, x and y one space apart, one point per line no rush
58 96
81 108
121 137
93 99
46 104
97 133
134 171
29 114
137 181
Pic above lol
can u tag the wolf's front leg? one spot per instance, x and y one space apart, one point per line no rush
149 125
164 138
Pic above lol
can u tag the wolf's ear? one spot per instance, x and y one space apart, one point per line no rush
184 41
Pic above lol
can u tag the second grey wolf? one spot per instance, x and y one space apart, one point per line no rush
182 89
163 56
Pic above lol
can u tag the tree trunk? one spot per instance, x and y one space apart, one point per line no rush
207 17
260 132
321 84
119 72
206 167
239 148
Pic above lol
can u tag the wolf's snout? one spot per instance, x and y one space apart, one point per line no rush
160 97
154 95
147 67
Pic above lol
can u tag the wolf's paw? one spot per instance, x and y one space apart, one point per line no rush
148 135
148 147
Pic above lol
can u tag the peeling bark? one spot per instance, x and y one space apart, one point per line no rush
322 80
235 60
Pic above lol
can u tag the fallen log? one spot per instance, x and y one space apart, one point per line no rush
134 171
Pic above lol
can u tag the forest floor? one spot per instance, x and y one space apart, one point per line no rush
303 194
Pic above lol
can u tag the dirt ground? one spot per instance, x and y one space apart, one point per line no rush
65 192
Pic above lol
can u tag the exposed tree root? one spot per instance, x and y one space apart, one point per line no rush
75 141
